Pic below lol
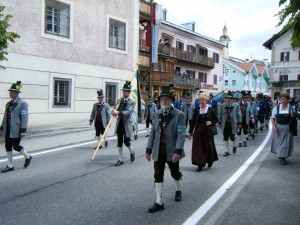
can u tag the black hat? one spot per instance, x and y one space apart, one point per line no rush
16 87
229 94
149 97
168 91
188 95
100 94
211 95
199 92
244 94
249 94
127 86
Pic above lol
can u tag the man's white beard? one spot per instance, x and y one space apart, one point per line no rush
165 107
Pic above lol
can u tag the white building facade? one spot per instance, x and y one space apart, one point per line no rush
68 50
285 66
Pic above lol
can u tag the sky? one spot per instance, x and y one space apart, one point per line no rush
249 23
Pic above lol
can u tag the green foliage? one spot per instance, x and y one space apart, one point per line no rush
291 14
5 36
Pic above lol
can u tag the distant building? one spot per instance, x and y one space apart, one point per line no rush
67 51
243 75
189 60
285 65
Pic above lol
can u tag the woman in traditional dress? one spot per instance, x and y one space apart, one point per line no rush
203 148
282 142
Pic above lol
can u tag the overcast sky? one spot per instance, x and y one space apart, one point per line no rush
249 23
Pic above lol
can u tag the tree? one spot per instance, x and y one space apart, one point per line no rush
291 13
5 35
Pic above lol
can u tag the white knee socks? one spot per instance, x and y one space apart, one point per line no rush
120 153
9 159
158 190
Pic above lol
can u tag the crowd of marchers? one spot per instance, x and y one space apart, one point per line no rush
172 122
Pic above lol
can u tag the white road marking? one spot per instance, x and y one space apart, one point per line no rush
200 213
61 149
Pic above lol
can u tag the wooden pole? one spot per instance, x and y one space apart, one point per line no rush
109 123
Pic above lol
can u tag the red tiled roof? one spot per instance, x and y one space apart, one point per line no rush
260 69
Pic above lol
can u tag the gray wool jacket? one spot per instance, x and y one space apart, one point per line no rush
105 116
19 120
127 118
175 135
235 115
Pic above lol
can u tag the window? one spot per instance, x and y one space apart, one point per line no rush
111 93
284 77
178 70
226 82
233 82
164 14
62 93
216 57
162 66
179 45
57 18
155 67
203 51
117 34
191 48
298 76
284 56
203 77
215 79
190 74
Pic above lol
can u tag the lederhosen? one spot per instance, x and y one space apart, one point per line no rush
244 122
159 165
228 127
121 133
11 143
148 120
98 123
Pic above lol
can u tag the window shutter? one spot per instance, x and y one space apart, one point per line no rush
288 56
281 56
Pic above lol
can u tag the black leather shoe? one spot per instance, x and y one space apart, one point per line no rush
226 154
253 137
178 196
119 163
240 145
135 137
247 138
106 144
199 169
97 146
147 135
156 207
209 165
234 150
7 169
261 129
245 143
27 161
132 156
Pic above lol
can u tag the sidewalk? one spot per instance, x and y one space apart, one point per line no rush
39 138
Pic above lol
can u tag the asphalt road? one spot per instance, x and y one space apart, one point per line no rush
66 187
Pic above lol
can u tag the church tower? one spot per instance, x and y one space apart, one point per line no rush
225 39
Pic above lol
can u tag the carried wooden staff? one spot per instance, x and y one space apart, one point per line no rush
111 118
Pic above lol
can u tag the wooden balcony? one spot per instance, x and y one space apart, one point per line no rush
144 61
145 10
181 55
164 79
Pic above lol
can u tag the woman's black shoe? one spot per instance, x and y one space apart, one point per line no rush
156 207
209 165
7 169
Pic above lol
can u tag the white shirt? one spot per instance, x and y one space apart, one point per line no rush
286 111
205 109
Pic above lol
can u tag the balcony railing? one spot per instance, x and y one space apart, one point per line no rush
164 78
179 54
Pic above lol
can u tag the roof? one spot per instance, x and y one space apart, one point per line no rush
268 43
260 69
246 66
192 32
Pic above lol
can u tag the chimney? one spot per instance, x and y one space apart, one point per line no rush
190 26
265 61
